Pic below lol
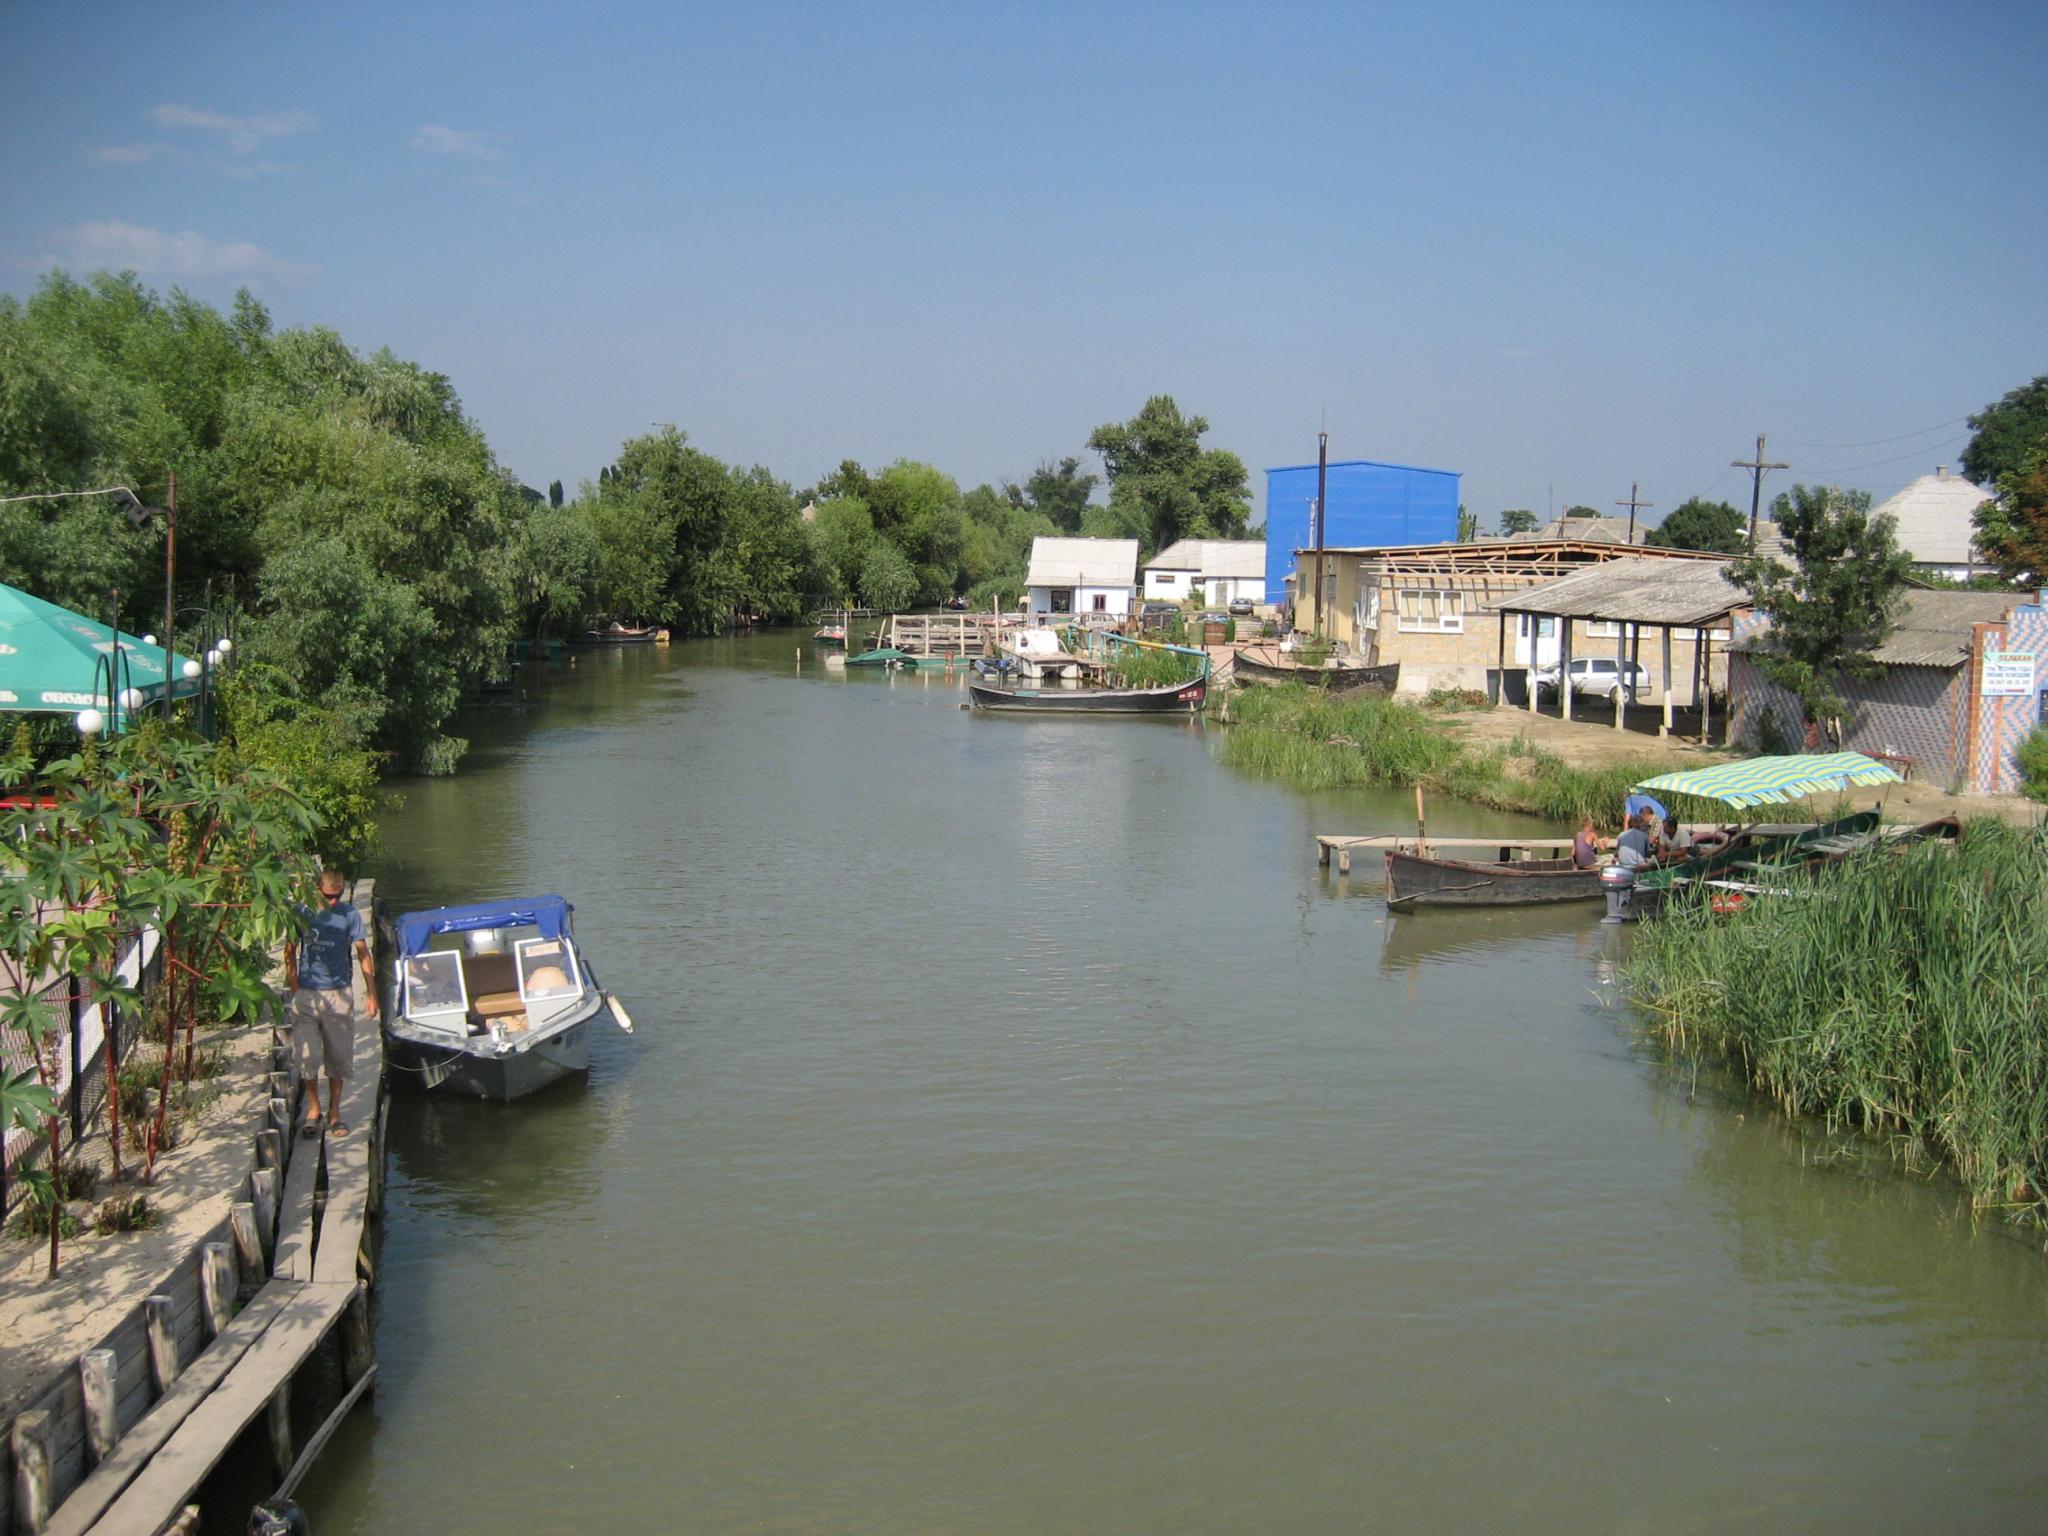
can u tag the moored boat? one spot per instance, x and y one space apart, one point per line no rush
618 634
1772 844
1172 699
492 999
1416 880
880 656
1268 664
830 634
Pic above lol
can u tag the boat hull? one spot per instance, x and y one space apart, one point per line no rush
1179 699
478 1071
1416 881
1249 667
1676 882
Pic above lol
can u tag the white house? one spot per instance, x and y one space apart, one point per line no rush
1936 522
1082 577
1213 570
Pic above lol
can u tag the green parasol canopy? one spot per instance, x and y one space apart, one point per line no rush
1769 780
54 661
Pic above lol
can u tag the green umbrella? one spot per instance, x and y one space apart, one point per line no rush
1769 780
54 661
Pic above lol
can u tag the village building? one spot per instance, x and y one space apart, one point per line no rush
1212 571
1936 517
1961 687
1430 607
1606 530
1371 504
1082 578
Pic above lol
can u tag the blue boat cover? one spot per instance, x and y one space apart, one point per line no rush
550 914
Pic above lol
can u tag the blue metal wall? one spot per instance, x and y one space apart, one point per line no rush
1370 503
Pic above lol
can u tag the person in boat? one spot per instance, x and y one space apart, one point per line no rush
1673 842
1634 849
1586 846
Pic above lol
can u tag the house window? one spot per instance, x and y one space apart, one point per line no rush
1606 629
1369 609
1162 578
1425 612
1062 599
1102 602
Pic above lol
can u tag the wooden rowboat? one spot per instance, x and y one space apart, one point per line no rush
1267 664
1415 880
1173 699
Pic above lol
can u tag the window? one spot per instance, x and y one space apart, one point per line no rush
1163 579
1369 609
1606 629
547 969
435 987
1061 600
1428 612
1102 602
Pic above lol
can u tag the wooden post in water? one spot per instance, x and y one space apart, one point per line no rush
281 1117
102 1415
358 1353
35 1485
279 1415
1421 831
269 1149
163 1343
263 1200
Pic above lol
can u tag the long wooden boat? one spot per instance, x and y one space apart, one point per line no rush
617 634
1416 880
1789 844
1265 664
1173 699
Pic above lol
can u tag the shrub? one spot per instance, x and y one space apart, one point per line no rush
2033 757
80 1180
125 1213
32 1221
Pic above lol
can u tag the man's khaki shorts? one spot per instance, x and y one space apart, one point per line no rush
323 1025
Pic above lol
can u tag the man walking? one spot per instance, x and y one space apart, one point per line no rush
323 1004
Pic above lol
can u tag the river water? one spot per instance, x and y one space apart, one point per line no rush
1023 1135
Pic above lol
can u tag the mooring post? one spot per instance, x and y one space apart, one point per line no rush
217 1286
263 1196
375 1200
357 1352
102 1415
34 1487
269 1149
163 1343
248 1242
281 1117
280 1416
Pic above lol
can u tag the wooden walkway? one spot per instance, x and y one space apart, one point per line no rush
310 1273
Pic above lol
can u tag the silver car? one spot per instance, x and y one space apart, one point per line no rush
1597 677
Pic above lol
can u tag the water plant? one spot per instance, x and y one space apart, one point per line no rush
1906 995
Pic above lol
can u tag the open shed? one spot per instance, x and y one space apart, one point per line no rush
1694 597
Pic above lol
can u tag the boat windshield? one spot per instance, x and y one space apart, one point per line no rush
491 980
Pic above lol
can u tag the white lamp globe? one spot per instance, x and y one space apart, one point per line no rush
91 722
191 668
225 645
131 698
149 639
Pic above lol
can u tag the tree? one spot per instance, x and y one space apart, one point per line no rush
554 493
887 581
1468 525
2012 528
1581 511
2009 434
1162 480
1062 493
1697 524
1517 520
1835 606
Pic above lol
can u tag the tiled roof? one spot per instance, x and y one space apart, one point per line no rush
1933 628
1686 593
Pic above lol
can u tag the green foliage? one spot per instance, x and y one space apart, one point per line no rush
886 579
1161 479
2033 761
130 1213
2010 435
1468 525
2012 528
1697 524
1581 511
1907 1003
1836 605
1517 520
32 1222
1059 493
1146 666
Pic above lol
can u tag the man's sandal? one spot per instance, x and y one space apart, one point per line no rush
338 1129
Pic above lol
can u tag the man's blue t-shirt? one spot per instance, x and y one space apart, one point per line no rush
330 939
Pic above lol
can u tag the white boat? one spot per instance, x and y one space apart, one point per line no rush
493 1000
1036 654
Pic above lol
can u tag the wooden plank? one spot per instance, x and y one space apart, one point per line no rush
92 1497
175 1472
294 1260
348 1163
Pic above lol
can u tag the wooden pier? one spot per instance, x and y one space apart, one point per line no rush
1502 849
122 1446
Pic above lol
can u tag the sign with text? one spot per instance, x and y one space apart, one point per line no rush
2008 673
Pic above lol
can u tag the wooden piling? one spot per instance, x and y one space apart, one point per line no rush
34 1480
217 1286
281 1116
263 1196
96 1385
279 1414
358 1353
269 1149
248 1242
163 1342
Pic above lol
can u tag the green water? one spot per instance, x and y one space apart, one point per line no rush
1022 1135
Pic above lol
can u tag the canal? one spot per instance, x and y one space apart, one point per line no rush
1023 1135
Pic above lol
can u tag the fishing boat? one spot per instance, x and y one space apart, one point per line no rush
1269 664
880 656
618 634
1417 880
1172 699
1037 654
1760 862
830 634
493 1000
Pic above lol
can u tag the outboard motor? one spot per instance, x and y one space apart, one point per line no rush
1620 886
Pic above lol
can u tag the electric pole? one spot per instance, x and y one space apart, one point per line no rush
1756 468
1632 504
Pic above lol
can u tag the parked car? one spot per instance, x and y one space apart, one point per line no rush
1596 677
1240 607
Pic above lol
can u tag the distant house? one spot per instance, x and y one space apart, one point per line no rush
1212 570
1936 517
1082 577
1962 687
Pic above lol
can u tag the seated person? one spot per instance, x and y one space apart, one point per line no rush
1632 848
1673 841
1586 846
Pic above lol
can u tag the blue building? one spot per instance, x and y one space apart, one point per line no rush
1370 504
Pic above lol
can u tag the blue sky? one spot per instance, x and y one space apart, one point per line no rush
1556 248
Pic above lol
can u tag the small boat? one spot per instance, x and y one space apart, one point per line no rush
1416 880
1777 844
830 634
955 604
1269 664
618 634
1038 654
1173 699
880 656
493 1000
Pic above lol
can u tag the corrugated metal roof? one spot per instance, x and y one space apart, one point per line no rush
1933 628
1601 530
1083 563
1934 515
1688 593
1240 559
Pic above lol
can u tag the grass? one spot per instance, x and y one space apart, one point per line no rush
1907 997
1296 734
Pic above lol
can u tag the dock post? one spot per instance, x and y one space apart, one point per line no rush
279 1413
34 1486
1344 860
248 1243
263 1197
102 1415
163 1343
281 1117
1322 853
217 1286
375 1203
357 1351
269 1149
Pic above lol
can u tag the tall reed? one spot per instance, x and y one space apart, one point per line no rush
1905 992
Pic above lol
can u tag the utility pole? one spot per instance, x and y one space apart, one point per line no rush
1322 501
1756 468
1632 504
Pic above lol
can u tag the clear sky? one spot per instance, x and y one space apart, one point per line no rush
1556 248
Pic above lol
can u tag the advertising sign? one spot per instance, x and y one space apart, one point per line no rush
2008 674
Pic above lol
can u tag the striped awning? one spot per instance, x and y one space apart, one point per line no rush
1768 780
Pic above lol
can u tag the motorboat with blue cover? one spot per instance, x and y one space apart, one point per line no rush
493 999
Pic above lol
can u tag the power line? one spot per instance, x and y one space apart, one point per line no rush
1879 442
1916 453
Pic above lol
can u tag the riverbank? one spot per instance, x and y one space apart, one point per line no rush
1905 1004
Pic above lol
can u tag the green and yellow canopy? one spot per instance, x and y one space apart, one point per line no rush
1770 780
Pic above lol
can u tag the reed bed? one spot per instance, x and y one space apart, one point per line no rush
1297 734
1904 994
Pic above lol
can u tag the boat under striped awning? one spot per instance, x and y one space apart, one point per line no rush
1769 780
